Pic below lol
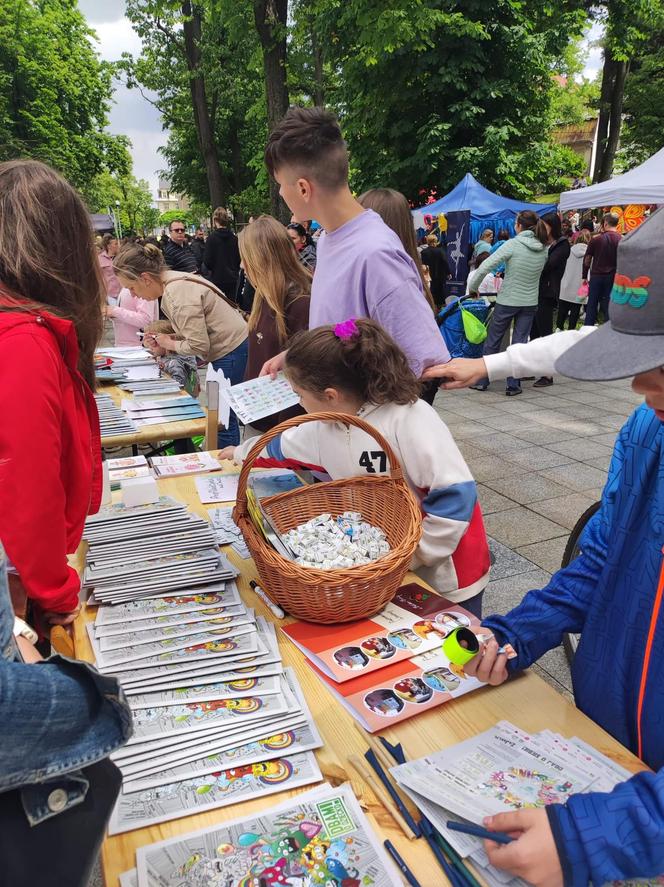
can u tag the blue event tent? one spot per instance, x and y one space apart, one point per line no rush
487 210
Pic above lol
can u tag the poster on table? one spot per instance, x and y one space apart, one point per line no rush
458 245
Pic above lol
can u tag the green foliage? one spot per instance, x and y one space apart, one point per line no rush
232 69
172 215
131 198
54 91
428 90
643 127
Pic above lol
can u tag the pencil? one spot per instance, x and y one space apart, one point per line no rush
378 749
453 876
365 774
456 860
401 865
468 828
374 763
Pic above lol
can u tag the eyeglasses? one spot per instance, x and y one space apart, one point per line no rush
177 230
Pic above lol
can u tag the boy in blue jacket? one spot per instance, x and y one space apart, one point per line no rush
612 594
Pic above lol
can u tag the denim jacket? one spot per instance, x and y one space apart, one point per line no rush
56 716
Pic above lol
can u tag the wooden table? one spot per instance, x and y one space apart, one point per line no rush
526 700
149 434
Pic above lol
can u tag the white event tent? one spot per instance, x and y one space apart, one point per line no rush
643 184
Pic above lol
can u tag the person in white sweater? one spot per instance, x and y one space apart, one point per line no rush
356 368
535 358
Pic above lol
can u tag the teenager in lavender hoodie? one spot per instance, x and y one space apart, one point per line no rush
362 269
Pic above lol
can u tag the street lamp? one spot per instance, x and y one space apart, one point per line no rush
118 226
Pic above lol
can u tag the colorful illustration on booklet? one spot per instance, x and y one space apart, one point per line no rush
238 706
413 690
212 646
449 621
417 600
519 788
458 670
195 599
351 657
429 631
378 648
384 702
441 679
404 639
244 683
267 772
278 741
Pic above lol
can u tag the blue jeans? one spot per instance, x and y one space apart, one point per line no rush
500 323
599 293
233 366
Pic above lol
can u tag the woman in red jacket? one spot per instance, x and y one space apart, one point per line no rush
50 322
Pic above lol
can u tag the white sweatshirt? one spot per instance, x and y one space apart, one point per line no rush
453 554
535 358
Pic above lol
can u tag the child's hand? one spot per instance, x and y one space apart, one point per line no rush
533 856
458 373
165 341
272 366
488 666
227 453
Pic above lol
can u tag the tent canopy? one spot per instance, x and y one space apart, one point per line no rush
101 222
643 184
487 210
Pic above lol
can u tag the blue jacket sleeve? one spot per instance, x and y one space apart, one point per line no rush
612 836
544 615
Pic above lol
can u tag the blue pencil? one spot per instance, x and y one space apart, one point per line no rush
468 828
375 764
401 865
453 876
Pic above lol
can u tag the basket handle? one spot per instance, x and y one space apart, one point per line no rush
396 472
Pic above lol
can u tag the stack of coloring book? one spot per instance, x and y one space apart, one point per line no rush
217 717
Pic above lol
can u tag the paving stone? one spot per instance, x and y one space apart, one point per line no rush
602 462
583 397
580 448
502 595
498 442
526 488
548 554
550 401
465 429
506 562
607 439
584 477
471 410
507 423
536 458
520 526
486 467
492 501
564 510
613 422
543 436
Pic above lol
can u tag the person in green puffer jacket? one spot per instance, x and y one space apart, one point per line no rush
524 257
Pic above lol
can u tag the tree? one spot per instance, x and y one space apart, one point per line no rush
175 215
643 122
428 90
270 17
626 27
203 62
130 197
54 90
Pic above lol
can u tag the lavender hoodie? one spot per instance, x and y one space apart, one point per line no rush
362 270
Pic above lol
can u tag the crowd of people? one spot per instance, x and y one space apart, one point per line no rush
345 308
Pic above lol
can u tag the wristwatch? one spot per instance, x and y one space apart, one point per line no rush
23 630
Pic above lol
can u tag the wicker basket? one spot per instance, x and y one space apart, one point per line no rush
337 595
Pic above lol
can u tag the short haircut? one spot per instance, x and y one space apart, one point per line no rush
220 217
611 219
158 327
309 141
431 239
175 222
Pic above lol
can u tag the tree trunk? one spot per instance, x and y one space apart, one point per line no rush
319 83
608 77
217 185
606 169
270 17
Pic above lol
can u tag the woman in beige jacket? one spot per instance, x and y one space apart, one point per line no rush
206 324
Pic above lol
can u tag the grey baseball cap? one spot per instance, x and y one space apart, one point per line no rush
632 341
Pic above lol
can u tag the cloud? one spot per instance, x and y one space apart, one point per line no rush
594 54
96 11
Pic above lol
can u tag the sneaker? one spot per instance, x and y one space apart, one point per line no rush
512 392
543 382
479 387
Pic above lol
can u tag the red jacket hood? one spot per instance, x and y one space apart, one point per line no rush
62 329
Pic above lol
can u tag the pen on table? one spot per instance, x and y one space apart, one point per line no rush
463 867
469 828
372 759
453 876
274 609
401 865
376 787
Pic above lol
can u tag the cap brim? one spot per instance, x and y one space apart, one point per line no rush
607 354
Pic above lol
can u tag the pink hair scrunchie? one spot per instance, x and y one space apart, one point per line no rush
346 330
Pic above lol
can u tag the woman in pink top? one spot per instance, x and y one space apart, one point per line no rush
129 316
109 247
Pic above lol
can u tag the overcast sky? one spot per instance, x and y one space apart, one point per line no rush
135 117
